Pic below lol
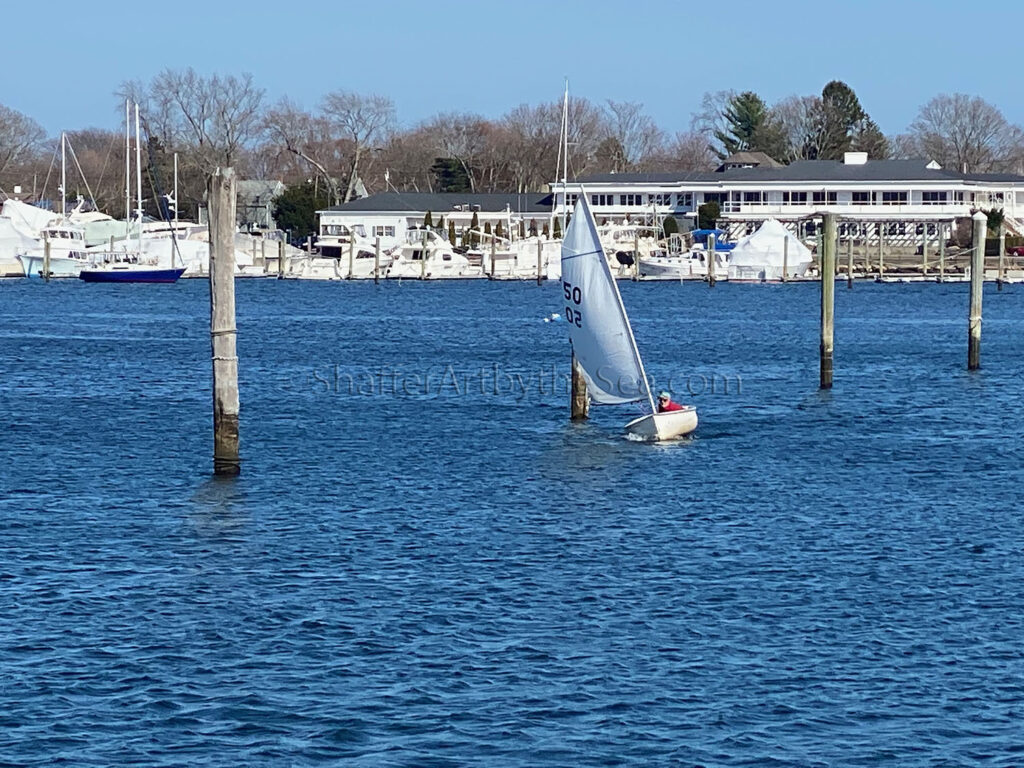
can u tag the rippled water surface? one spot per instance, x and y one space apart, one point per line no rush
458 576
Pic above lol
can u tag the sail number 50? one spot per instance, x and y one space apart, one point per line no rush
575 295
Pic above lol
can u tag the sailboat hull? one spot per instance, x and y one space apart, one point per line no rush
664 426
153 275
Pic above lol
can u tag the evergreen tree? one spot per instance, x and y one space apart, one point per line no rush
707 215
428 221
744 115
533 227
451 232
522 229
670 226
869 138
295 209
498 230
557 235
545 231
474 236
450 175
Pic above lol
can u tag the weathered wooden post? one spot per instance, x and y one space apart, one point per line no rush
376 261
351 257
540 262
709 252
580 399
494 248
942 253
881 256
221 194
828 292
309 245
785 259
46 256
849 263
423 258
280 259
1001 274
977 282
636 256
924 251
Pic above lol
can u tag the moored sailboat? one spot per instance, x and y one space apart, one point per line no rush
601 336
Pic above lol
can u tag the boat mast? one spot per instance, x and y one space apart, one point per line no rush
127 170
138 173
565 155
63 175
175 230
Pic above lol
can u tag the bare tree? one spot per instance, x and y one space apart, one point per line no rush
633 132
365 121
802 121
309 138
685 152
18 135
214 117
966 133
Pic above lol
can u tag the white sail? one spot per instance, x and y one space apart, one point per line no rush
598 327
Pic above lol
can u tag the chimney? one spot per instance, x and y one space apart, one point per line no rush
855 158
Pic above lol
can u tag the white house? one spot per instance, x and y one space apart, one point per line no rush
390 215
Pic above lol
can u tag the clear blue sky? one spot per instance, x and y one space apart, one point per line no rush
66 59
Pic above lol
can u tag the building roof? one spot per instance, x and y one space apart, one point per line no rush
753 159
444 202
835 171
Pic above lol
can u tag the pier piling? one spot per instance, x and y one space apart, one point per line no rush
580 400
281 245
351 257
828 292
221 194
1001 275
849 263
540 261
46 256
376 261
942 253
980 222
710 254
785 259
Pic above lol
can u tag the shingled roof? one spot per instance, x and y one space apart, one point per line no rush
441 202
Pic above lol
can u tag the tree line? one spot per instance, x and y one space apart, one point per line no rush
351 142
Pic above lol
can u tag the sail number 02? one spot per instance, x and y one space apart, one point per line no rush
575 295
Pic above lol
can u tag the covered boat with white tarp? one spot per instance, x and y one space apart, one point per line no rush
767 254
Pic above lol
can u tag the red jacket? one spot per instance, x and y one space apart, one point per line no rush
669 406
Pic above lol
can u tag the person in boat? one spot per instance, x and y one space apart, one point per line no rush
665 403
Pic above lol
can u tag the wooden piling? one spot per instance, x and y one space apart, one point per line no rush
280 259
942 253
924 251
309 245
977 281
423 258
849 263
709 252
494 247
1001 274
221 196
828 292
540 262
881 256
636 256
580 399
785 259
376 261
46 256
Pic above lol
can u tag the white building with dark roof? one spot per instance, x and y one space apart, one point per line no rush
897 195
390 215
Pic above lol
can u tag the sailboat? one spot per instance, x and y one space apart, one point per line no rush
602 339
132 267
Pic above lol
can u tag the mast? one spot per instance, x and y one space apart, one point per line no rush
138 174
175 229
63 175
565 154
127 170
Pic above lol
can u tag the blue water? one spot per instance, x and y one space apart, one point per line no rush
460 577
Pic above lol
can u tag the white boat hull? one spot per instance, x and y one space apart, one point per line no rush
664 426
60 266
